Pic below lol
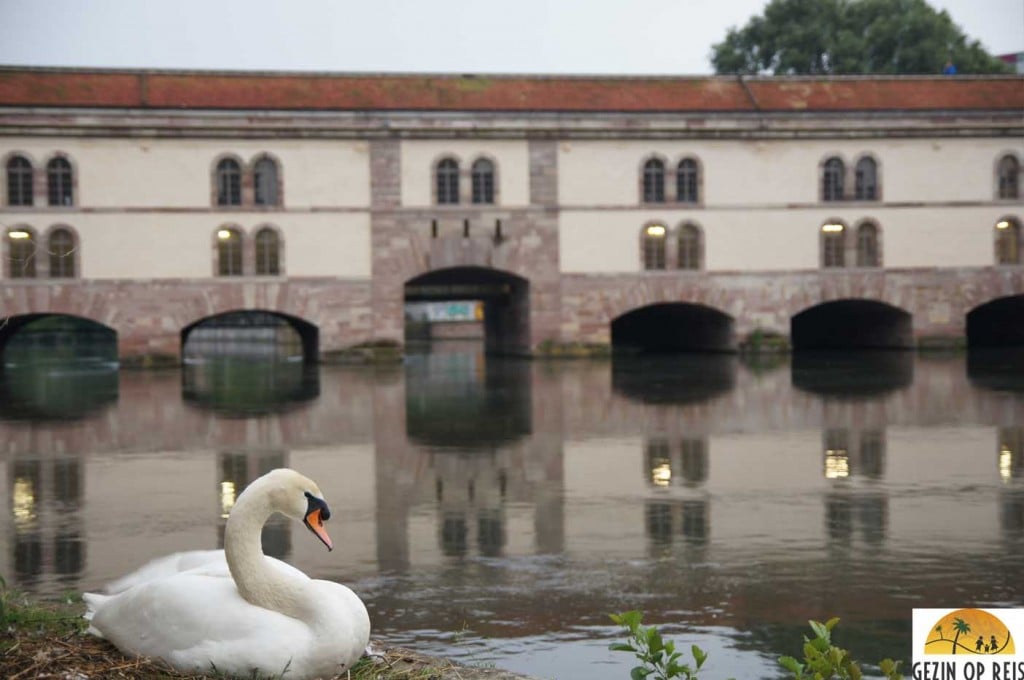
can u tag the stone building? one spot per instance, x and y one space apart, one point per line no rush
669 212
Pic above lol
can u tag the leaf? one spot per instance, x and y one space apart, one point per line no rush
791 665
698 655
831 623
639 673
819 630
621 647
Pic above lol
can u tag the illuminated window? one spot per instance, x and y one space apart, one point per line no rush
229 182
1008 242
833 245
867 245
1009 177
689 241
265 182
21 253
686 181
267 252
832 180
654 247
61 247
866 180
19 181
58 182
448 182
654 181
483 181
229 252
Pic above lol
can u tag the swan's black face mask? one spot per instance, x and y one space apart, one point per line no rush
316 513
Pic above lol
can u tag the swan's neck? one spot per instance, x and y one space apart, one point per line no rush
258 581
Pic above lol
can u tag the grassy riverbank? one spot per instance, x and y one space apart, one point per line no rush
47 640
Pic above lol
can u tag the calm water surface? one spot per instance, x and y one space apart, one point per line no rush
498 511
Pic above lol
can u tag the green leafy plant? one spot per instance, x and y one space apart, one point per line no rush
824 661
658 658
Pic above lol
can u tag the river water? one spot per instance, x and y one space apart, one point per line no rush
497 511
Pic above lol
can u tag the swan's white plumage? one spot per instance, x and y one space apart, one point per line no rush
187 608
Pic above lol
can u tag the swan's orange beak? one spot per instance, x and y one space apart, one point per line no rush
316 512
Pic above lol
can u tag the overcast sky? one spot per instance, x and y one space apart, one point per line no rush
444 36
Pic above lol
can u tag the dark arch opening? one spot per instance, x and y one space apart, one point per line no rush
505 299
251 334
998 323
673 379
673 327
852 324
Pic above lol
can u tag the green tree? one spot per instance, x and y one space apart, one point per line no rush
960 626
833 37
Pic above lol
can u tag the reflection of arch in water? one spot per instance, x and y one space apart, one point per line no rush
253 334
997 323
676 379
852 324
461 400
852 374
243 387
238 469
997 369
673 327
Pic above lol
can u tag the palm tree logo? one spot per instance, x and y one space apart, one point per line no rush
993 635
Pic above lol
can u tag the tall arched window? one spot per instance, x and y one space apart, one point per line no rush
229 182
867 245
689 247
61 247
483 181
448 181
58 182
833 245
866 180
1009 177
265 182
654 246
686 181
268 255
654 181
832 180
19 181
21 253
229 252
1008 242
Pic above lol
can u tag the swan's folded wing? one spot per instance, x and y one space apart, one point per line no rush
168 565
197 621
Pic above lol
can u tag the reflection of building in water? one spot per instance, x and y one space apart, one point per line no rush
471 493
1011 472
850 454
1011 453
237 469
46 503
676 462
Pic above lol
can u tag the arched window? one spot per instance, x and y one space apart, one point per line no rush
867 245
833 245
229 252
866 180
1009 177
448 181
654 246
1008 242
686 181
21 253
61 247
265 181
832 180
19 181
229 182
689 247
654 181
483 181
268 252
58 182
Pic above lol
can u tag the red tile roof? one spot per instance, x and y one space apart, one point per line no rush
383 92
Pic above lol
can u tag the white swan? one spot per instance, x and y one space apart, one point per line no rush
238 610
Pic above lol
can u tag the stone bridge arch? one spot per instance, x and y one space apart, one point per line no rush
852 323
308 334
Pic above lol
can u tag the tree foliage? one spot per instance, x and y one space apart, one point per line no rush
833 37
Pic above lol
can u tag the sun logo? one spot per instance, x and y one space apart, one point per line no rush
969 631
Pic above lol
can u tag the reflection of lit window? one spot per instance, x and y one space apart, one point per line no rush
24 502
1005 462
837 463
662 475
227 498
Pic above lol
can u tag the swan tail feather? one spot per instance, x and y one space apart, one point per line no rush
93 601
